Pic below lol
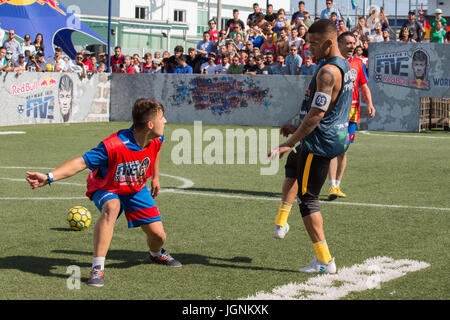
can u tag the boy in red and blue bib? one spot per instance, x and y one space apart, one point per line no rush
121 165
119 169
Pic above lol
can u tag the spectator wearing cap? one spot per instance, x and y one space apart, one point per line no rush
36 63
27 45
210 66
11 44
57 63
182 66
20 64
325 14
87 61
417 31
438 17
205 46
156 68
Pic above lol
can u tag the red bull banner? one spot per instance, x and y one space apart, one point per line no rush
50 97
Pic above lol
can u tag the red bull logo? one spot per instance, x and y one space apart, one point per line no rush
52 3
48 82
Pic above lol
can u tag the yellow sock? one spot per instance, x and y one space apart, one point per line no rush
322 252
283 213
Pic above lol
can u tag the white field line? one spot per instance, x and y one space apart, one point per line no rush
360 277
401 135
11 132
183 189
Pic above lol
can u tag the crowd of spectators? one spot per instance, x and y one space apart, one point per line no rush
267 43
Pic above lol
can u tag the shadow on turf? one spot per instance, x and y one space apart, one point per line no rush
237 192
132 258
39 265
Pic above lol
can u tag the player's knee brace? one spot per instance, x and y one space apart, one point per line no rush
308 204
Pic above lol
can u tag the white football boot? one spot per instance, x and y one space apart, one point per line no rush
320 267
279 232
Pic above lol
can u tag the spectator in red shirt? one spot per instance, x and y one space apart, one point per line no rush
87 62
127 67
213 32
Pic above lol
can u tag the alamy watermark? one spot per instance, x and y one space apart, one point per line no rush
237 146
74 280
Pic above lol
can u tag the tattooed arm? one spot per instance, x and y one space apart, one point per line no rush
329 82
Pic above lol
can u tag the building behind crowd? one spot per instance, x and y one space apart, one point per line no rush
157 24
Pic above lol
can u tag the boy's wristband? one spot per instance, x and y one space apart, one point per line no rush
49 177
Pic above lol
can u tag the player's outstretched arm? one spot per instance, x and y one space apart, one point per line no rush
67 169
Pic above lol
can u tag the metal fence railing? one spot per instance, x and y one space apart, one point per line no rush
434 113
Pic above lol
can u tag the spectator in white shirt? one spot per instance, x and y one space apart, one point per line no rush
27 45
13 45
57 62
210 66
223 67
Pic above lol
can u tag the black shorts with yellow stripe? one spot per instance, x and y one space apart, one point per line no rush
311 174
290 168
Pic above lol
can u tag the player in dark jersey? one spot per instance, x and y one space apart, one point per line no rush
121 165
324 135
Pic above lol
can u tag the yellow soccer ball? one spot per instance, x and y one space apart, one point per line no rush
79 218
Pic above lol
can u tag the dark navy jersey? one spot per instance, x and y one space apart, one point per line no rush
330 138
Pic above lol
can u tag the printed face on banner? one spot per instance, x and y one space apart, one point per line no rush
404 69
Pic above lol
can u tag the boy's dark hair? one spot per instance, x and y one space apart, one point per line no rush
145 110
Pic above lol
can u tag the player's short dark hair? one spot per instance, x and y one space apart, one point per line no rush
323 26
145 110
345 34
